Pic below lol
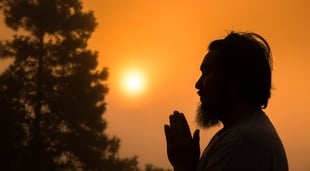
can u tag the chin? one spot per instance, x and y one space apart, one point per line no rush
206 116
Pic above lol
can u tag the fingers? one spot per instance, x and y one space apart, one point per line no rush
179 124
167 132
177 120
181 145
172 120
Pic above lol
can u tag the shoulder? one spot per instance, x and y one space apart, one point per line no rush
257 143
251 145
256 129
256 133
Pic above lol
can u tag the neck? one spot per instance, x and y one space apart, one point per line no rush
238 111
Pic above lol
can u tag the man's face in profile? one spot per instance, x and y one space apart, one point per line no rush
211 89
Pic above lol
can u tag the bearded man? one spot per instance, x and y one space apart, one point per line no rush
234 88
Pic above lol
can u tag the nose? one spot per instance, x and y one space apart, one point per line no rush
198 83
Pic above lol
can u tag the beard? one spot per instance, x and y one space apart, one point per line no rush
207 117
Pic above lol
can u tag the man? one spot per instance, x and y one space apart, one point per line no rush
234 88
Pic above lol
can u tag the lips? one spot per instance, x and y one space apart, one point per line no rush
200 94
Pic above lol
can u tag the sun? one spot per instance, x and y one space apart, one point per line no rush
133 82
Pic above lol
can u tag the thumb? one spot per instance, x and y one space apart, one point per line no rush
196 139
196 136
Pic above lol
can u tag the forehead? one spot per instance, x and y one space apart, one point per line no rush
210 61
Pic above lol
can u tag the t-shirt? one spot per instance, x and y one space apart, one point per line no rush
251 145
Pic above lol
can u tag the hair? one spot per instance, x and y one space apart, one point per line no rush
246 58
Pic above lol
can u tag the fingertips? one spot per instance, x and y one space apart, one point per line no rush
176 119
172 120
196 136
166 128
177 116
176 112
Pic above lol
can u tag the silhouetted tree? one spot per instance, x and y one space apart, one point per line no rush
52 96
150 167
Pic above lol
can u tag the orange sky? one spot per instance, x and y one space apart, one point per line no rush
167 39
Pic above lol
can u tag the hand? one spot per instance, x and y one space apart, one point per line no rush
183 149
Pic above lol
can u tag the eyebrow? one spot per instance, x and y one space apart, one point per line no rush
203 67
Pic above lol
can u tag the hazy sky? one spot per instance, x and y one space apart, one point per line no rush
167 39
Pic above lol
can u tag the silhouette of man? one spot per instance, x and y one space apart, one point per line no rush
234 88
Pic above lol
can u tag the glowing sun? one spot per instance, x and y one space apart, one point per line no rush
133 82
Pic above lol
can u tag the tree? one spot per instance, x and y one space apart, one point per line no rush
150 167
52 96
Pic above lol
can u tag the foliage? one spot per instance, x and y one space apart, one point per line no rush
150 167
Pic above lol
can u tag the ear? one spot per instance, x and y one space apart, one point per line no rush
233 87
